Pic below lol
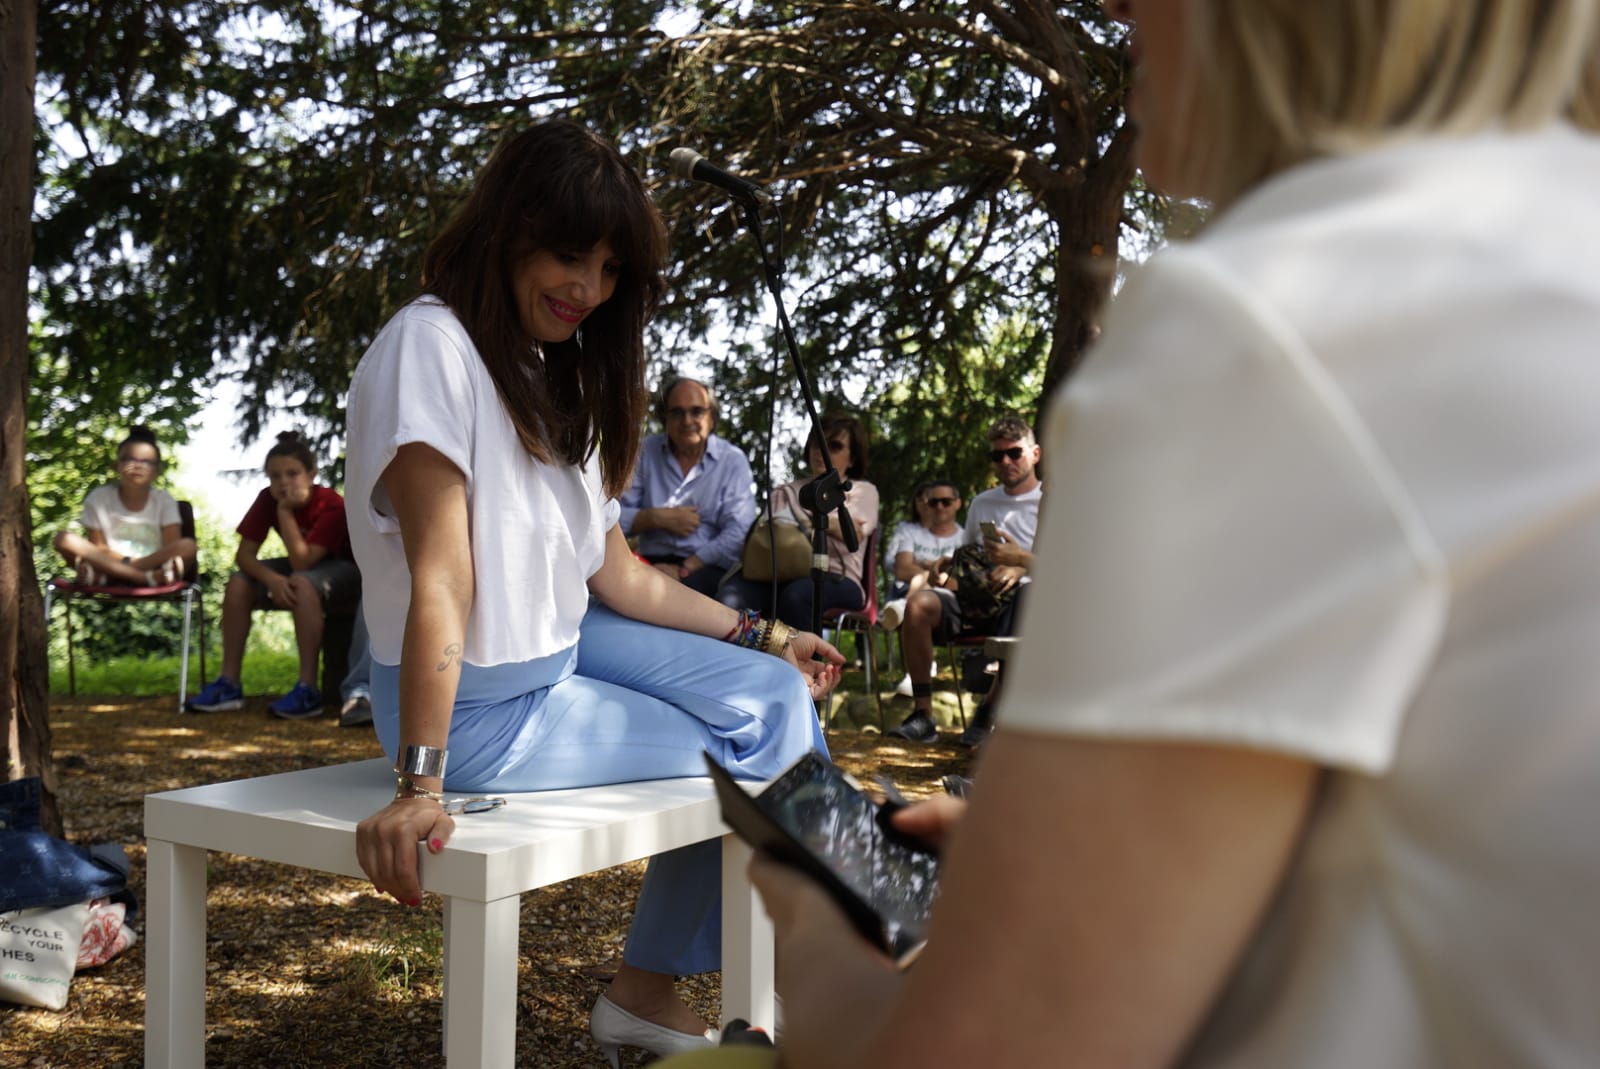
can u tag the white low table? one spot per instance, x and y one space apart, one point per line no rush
308 819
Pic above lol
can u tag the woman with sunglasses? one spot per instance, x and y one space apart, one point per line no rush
843 587
132 530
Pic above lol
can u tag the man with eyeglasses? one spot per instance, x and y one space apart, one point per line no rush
692 499
1013 510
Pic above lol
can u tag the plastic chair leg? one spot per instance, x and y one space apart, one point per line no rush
72 664
869 636
183 663
951 652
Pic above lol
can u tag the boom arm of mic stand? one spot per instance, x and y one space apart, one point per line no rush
823 501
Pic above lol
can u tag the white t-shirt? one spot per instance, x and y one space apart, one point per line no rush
1330 486
129 533
538 530
1015 514
921 543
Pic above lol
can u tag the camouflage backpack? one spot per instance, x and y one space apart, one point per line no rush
969 567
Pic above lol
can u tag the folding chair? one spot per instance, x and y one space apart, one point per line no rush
863 623
185 592
956 648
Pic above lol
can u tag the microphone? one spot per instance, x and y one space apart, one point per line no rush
687 163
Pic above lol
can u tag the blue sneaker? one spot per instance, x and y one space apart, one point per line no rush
301 703
216 696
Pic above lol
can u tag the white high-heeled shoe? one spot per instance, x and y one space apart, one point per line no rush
613 1027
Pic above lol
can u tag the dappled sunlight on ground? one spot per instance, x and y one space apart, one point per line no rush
304 968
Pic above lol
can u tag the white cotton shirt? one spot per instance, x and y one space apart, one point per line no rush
129 533
538 530
921 543
1015 514
1330 487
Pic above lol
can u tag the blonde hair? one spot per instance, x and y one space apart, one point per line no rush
1277 82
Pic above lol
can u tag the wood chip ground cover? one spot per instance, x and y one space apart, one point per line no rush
310 970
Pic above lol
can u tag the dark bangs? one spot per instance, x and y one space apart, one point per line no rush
559 187
571 201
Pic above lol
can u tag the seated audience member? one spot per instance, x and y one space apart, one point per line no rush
1013 509
132 533
355 692
846 442
317 574
1298 758
916 548
692 499
918 545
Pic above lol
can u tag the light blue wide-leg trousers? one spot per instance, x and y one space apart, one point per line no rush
630 702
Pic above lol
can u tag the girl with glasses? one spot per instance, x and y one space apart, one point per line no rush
133 534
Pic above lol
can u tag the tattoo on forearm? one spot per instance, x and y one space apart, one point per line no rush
452 654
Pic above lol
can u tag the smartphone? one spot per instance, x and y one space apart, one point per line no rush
816 818
990 532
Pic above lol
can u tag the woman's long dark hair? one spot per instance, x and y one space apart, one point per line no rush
559 187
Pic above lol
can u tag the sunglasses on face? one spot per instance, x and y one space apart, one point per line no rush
943 502
997 455
838 447
696 412
136 462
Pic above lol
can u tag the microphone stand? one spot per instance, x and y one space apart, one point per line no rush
825 493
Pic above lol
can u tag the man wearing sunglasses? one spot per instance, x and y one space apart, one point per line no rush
1012 512
692 499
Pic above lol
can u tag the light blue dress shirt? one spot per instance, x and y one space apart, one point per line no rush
720 486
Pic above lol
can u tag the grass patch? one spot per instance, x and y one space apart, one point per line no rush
271 664
266 671
400 959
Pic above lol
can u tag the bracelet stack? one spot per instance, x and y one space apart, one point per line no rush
419 761
779 634
754 633
406 787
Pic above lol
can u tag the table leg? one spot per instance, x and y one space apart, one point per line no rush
747 958
480 983
175 956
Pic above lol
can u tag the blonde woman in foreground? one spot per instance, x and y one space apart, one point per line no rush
1299 759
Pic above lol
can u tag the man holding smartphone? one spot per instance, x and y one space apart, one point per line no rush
1003 520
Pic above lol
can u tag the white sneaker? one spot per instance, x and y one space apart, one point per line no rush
903 688
890 615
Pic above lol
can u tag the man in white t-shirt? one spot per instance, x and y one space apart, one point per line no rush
1012 510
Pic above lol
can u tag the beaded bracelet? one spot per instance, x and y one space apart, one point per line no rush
754 633
748 631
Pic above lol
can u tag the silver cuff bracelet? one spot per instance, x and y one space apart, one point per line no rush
423 761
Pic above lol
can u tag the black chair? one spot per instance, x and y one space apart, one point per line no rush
185 592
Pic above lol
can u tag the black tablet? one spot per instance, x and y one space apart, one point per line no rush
819 820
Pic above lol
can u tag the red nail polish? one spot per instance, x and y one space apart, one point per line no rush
415 902
436 844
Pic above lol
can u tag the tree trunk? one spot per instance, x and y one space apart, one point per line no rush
24 705
1090 219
